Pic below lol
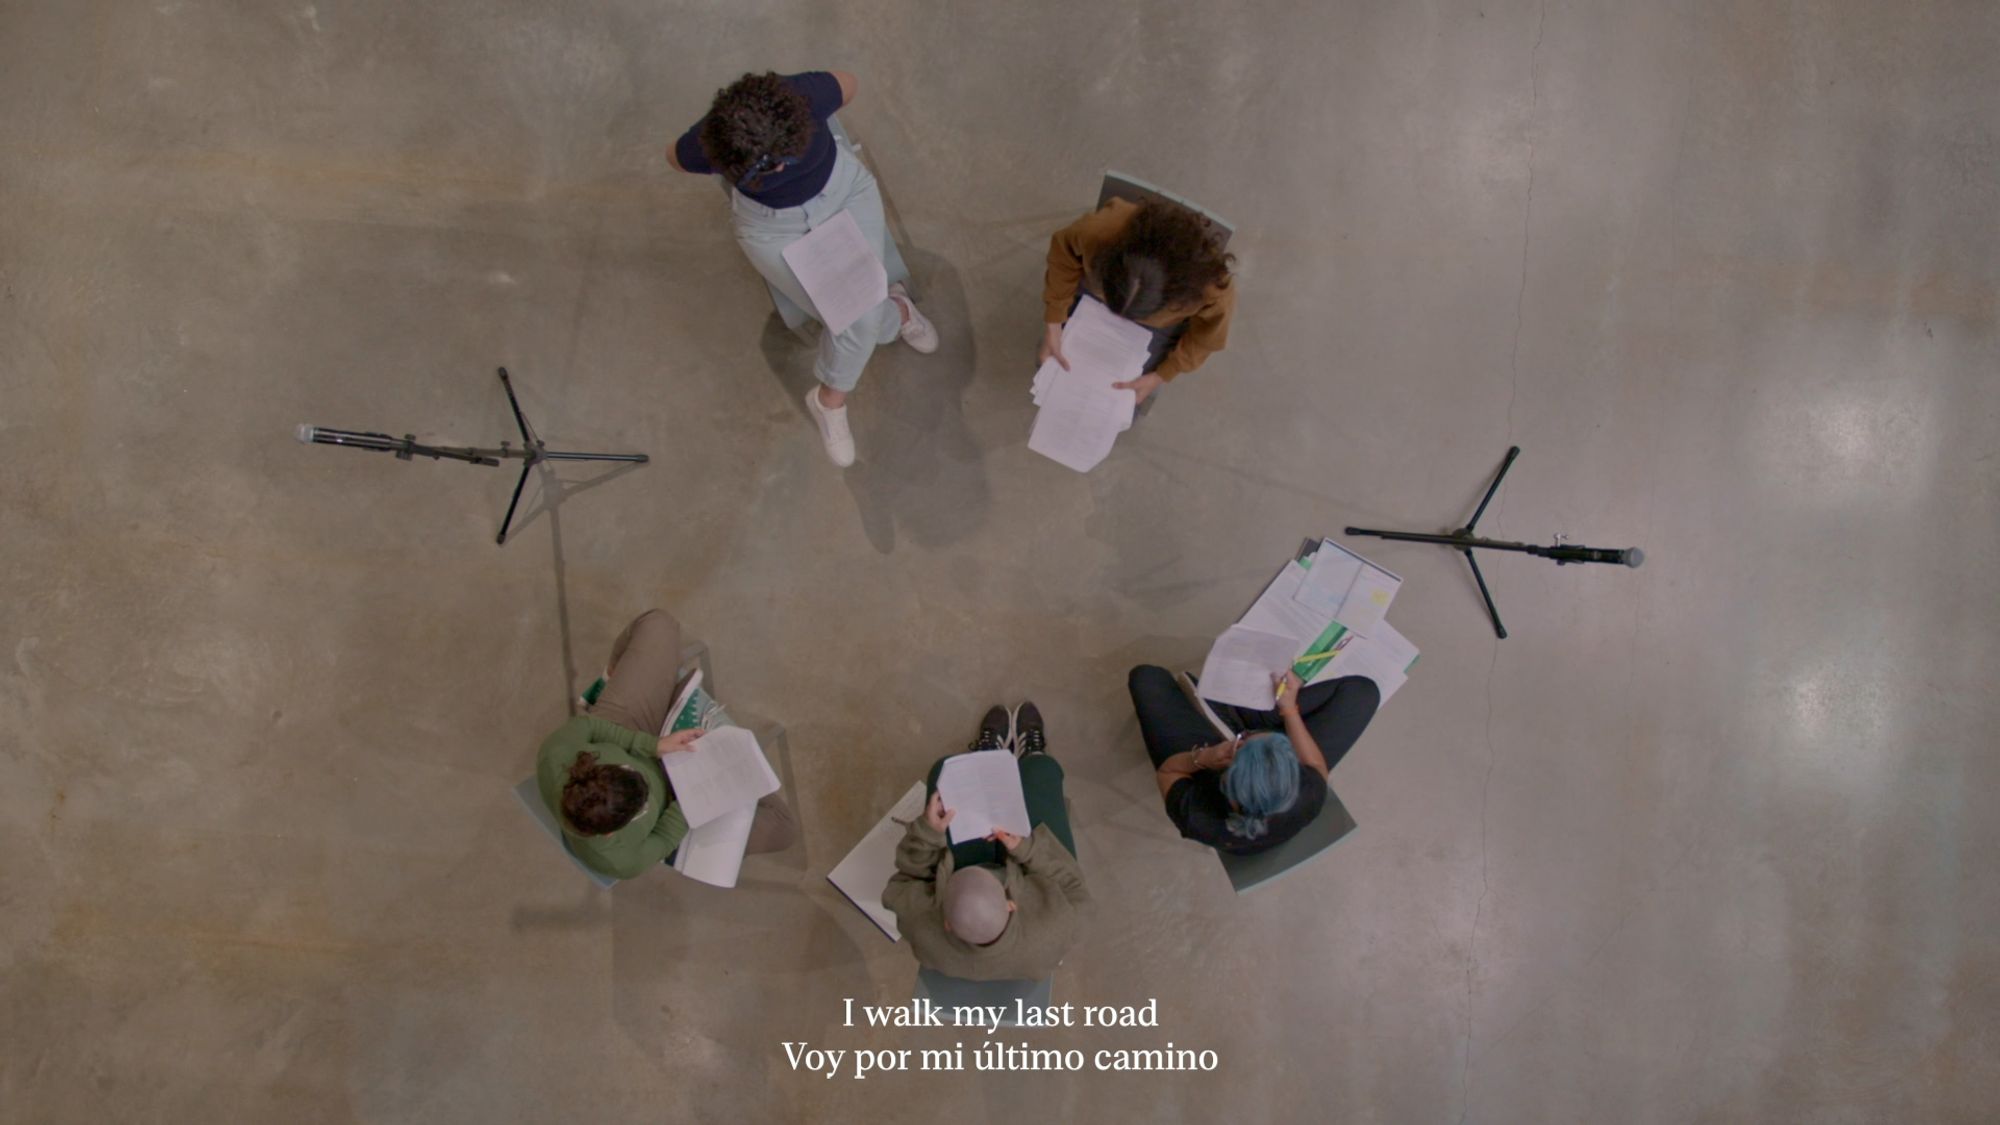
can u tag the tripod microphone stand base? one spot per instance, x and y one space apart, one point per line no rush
533 450
1465 541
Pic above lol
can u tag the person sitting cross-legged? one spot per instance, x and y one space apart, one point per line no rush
600 773
1001 908
1241 780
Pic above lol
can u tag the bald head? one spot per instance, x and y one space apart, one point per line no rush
975 905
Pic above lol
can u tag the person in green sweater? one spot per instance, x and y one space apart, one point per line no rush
1006 907
600 773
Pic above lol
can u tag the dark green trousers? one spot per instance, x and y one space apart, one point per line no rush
1041 786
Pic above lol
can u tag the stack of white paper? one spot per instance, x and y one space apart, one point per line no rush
982 790
713 853
724 771
865 873
1347 588
1298 608
718 784
1081 413
839 270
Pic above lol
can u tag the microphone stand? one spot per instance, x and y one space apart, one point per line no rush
1464 540
531 453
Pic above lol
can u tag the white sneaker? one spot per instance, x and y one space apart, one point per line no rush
918 331
832 429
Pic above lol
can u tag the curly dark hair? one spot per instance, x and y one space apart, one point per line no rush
1167 257
757 118
598 798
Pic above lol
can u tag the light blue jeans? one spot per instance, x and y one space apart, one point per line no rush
764 232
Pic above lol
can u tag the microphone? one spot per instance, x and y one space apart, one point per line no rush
1624 556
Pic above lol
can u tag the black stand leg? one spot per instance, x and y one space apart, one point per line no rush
536 452
1464 540
1505 464
532 452
508 522
1499 630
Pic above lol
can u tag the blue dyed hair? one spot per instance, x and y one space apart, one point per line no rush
1262 782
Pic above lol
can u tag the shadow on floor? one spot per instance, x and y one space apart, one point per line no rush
919 471
772 950
552 491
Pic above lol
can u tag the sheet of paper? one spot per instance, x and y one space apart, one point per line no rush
1384 656
1103 345
1278 610
713 853
1368 599
983 792
1332 575
1045 376
865 872
1400 651
1342 584
725 771
1078 424
840 271
1241 666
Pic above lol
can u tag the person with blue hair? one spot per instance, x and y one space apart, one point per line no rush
1246 781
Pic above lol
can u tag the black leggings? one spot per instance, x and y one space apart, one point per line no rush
1335 713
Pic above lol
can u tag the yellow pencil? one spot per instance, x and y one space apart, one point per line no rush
1316 655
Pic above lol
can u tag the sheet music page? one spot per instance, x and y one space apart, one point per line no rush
839 271
983 791
725 771
1078 424
1278 610
1103 346
1332 574
1368 599
1242 666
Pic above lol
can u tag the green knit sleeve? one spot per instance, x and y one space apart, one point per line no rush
639 856
625 738
552 762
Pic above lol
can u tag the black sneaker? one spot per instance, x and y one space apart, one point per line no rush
996 731
1028 735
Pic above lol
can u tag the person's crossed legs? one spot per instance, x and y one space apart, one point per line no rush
643 681
1041 790
1168 720
1336 712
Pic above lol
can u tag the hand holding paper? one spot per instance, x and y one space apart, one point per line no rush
1243 666
982 790
725 771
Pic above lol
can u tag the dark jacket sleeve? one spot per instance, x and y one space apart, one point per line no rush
1042 856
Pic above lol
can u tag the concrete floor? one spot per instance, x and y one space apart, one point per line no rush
1698 843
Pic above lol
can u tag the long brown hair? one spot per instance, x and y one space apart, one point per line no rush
1167 257
599 798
